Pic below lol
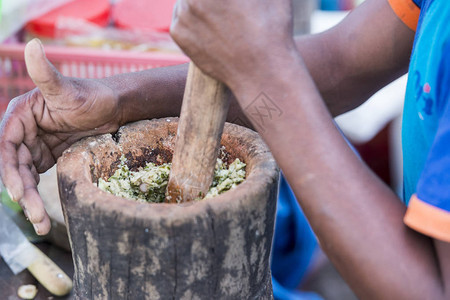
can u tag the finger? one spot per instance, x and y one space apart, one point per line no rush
11 136
31 202
179 28
43 227
9 170
42 157
34 210
179 6
175 12
41 71
59 142
35 174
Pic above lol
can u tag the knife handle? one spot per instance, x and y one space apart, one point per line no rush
49 274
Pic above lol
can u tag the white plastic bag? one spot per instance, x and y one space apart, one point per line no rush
16 13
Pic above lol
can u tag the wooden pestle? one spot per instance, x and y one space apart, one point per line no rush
203 113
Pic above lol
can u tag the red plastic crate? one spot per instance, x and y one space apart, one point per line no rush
74 62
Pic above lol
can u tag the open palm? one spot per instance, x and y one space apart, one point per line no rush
39 125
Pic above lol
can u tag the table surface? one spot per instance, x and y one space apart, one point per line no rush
10 283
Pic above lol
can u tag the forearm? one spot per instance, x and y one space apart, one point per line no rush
357 219
357 57
158 93
348 64
153 93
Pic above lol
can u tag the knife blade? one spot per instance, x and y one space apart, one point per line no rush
15 248
19 253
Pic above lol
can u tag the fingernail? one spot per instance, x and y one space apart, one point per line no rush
25 212
39 42
10 195
36 228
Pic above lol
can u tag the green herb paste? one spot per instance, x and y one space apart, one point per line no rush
149 184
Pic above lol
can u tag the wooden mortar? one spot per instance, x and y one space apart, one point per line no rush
217 248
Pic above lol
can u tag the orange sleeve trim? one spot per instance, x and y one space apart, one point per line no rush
428 219
407 11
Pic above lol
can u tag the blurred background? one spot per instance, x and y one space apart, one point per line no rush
99 38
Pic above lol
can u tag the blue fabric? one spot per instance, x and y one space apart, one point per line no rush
427 95
293 247
329 5
418 3
434 183
294 244
283 293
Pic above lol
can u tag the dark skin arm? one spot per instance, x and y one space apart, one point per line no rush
348 63
354 59
357 218
156 93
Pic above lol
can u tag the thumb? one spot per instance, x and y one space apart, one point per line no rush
42 72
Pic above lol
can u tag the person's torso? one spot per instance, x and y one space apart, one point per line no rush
424 102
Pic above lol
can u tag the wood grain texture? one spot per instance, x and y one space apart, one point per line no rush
217 248
203 113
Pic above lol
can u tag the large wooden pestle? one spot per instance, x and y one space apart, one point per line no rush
203 114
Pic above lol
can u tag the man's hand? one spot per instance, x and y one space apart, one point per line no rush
39 125
227 39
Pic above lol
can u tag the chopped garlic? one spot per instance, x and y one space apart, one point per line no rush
27 291
149 184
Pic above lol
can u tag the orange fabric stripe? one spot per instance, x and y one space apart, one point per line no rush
407 11
428 219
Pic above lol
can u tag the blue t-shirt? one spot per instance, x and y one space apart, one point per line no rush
426 123
294 245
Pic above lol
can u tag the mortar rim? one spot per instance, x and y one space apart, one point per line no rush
88 194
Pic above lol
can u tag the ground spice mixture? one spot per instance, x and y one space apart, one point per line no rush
148 184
